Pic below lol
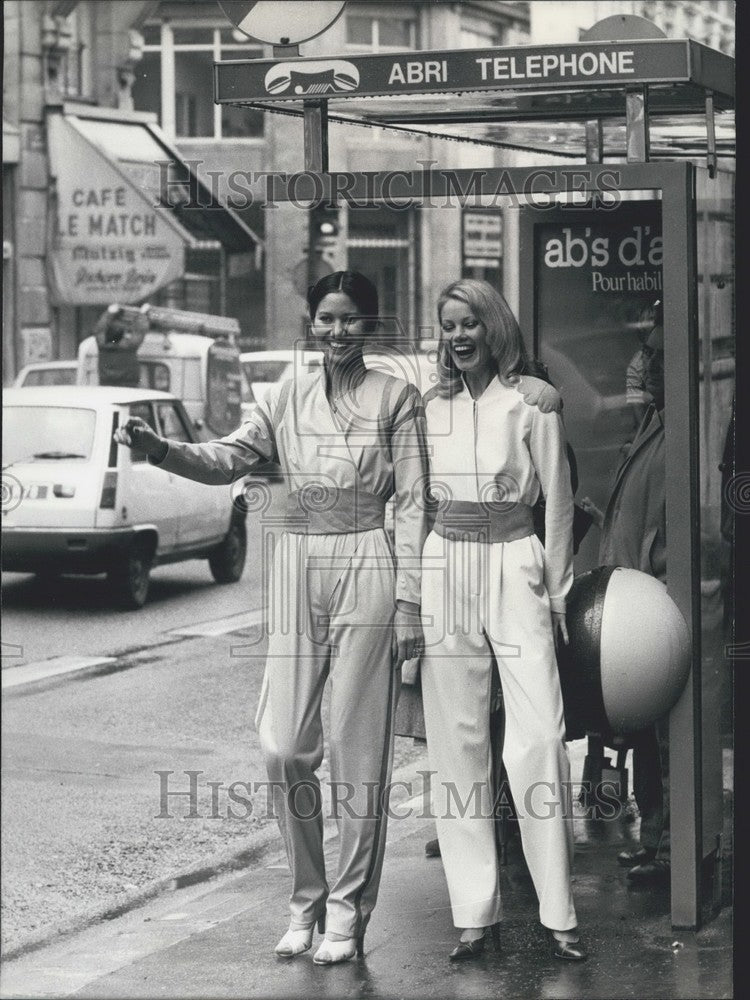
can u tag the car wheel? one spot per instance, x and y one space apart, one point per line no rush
129 579
227 561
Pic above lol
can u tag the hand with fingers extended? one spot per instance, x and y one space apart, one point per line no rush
136 433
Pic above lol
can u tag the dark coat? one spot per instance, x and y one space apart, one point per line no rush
634 534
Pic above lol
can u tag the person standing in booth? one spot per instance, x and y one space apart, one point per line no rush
489 586
348 439
634 535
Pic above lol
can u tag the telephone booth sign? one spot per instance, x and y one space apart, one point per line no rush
631 211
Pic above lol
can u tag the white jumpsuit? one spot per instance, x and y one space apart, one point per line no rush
334 585
487 595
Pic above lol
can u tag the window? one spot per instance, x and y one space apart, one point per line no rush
267 371
51 376
174 79
77 62
386 28
39 433
480 34
382 243
172 424
154 375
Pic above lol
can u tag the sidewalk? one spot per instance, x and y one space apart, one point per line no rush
217 940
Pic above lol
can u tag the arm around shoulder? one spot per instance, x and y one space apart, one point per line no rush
537 392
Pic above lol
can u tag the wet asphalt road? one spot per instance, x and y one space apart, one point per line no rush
86 826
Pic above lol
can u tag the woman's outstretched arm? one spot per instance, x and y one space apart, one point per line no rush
216 463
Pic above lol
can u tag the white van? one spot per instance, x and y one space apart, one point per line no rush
194 356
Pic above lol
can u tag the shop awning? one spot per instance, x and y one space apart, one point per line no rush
145 155
125 208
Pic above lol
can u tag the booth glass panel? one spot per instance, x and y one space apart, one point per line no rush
598 290
716 328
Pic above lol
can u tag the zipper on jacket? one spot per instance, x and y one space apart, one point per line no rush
476 464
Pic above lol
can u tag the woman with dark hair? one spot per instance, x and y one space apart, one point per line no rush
489 587
348 439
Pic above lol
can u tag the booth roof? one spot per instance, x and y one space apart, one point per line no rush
546 116
671 137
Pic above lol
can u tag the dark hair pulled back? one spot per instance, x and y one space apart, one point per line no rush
360 290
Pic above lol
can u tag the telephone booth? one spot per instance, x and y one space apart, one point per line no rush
625 205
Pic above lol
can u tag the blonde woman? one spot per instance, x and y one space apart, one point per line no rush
488 586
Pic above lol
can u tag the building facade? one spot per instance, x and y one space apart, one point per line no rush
710 22
134 80
173 80
86 220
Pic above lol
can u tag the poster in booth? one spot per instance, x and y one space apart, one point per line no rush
597 275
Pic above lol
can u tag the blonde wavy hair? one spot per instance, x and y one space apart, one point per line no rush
502 332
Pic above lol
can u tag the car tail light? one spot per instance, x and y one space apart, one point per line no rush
64 490
109 489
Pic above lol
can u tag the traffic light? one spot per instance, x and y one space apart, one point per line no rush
324 237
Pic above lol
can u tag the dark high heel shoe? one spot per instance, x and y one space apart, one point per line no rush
473 949
571 951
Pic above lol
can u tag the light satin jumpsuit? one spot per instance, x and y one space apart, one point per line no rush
334 583
497 595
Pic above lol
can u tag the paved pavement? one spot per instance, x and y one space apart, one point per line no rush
216 940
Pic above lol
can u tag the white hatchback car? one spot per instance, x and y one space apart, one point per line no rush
76 502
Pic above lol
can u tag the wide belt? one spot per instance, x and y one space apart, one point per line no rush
318 509
467 521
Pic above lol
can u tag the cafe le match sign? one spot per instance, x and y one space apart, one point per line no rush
111 242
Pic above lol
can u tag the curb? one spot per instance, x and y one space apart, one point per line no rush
268 845
221 864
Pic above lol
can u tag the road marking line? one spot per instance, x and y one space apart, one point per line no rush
221 626
55 667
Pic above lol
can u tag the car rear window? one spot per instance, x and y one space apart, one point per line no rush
265 371
50 376
154 375
47 433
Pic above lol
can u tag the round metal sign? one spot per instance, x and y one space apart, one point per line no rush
277 22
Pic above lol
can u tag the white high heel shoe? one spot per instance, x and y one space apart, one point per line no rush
333 952
297 941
